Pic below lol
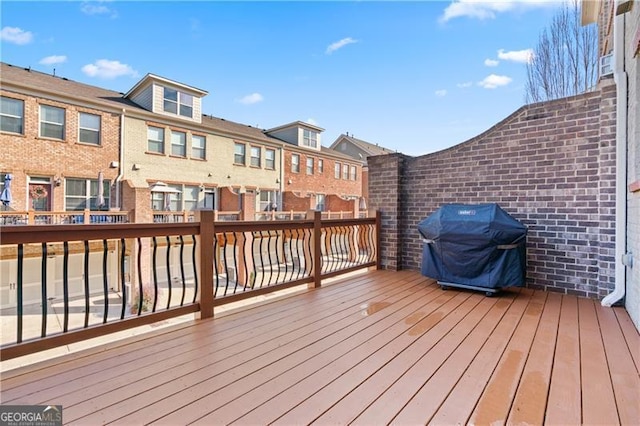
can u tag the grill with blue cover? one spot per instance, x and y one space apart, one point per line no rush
479 247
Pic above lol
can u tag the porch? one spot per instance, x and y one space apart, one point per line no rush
375 348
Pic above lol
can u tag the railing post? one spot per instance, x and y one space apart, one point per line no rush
31 218
87 216
317 252
205 262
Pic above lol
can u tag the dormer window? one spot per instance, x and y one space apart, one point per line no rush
310 138
176 102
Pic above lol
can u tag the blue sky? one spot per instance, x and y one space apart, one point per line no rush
415 77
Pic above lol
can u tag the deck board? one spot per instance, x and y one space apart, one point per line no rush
377 348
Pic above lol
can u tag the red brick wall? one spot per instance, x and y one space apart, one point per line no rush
29 155
293 202
229 200
551 165
333 203
319 183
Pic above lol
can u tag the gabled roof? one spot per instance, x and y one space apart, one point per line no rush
36 83
369 148
296 124
150 78
32 80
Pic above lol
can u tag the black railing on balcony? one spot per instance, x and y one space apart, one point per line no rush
98 279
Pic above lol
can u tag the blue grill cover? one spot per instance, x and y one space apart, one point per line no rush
474 245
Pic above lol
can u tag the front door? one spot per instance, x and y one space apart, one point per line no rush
40 196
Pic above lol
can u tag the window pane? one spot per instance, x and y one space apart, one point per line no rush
76 187
186 111
337 171
295 163
198 146
156 139
353 173
320 166
89 128
239 151
178 144
11 115
52 114
170 94
270 159
191 197
255 156
309 166
48 130
89 121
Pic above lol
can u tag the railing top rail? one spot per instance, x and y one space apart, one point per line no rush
60 233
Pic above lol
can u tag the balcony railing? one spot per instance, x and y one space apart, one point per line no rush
104 278
32 217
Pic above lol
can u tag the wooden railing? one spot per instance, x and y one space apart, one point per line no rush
296 215
32 217
118 276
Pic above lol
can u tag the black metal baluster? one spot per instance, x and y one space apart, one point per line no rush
105 281
140 286
277 246
261 260
123 250
225 263
169 271
243 256
65 285
86 283
372 243
253 260
297 245
43 290
216 256
184 285
195 267
20 283
309 249
155 275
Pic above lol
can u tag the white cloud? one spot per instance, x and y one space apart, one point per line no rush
464 85
339 44
494 81
440 93
97 8
54 59
491 62
251 99
16 35
523 56
487 9
104 68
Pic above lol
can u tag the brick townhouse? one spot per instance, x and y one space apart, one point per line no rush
156 152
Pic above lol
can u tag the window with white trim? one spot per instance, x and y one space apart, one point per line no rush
337 170
310 165
256 156
198 147
51 122
345 171
81 194
267 201
320 202
309 138
179 144
191 197
270 159
239 154
295 163
320 166
179 103
353 173
11 115
89 128
155 139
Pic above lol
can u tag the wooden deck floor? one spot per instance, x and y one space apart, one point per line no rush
383 347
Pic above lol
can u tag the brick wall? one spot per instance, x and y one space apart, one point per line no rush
551 165
30 155
293 202
319 183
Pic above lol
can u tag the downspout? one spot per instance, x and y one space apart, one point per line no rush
620 78
121 161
